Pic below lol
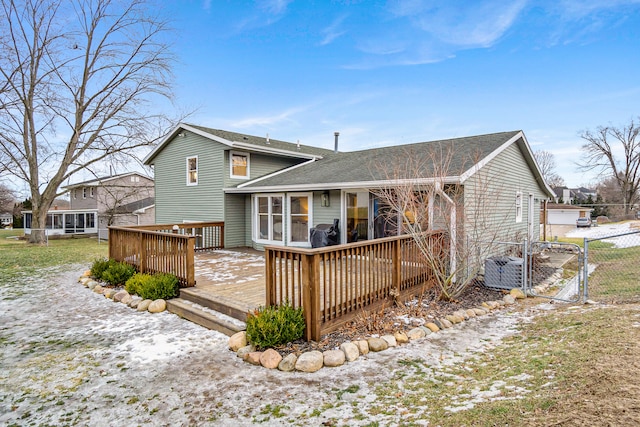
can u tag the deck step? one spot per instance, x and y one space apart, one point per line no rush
217 303
204 316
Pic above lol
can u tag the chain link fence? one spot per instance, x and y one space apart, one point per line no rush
612 270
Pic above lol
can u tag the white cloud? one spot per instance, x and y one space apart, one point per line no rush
268 13
333 31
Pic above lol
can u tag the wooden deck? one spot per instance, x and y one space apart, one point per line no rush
229 281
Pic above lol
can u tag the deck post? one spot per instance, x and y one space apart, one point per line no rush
396 261
312 324
314 293
190 261
268 273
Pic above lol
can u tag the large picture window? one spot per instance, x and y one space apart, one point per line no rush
192 170
239 165
269 218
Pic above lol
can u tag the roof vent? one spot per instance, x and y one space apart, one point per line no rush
298 144
336 134
268 142
245 138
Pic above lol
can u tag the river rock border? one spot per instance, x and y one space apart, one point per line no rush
122 296
313 361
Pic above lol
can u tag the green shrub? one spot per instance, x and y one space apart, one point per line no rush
274 326
118 273
158 286
101 265
136 282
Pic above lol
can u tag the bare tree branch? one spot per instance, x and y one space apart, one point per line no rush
79 80
614 152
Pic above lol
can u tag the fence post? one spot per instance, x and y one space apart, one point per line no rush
585 263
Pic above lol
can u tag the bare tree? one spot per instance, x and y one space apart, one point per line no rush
547 163
418 203
614 152
113 198
79 81
7 199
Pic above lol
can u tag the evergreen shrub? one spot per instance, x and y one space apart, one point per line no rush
118 273
101 265
157 286
274 326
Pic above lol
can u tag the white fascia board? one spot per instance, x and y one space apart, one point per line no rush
268 150
344 185
275 173
100 181
482 163
142 210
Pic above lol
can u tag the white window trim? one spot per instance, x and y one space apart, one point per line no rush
518 206
90 191
189 183
84 192
309 214
239 153
256 219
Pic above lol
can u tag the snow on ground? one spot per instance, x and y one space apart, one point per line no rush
605 230
71 357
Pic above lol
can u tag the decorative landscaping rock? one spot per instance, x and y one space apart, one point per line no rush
471 313
377 344
109 293
126 299
91 284
288 364
242 351
118 296
432 327
98 289
238 340
84 280
86 273
350 351
134 302
462 314
517 293
310 361
426 330
401 337
333 358
143 305
391 340
509 300
454 319
363 346
480 311
445 323
157 306
270 358
416 334
253 357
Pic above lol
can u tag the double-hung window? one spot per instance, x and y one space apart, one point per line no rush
269 218
192 170
239 163
299 219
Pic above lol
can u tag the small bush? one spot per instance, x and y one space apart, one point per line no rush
118 273
274 326
135 283
100 266
158 286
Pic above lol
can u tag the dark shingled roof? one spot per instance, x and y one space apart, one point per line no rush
262 141
379 163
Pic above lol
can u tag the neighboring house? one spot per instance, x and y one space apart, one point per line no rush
124 199
562 214
271 192
6 219
570 195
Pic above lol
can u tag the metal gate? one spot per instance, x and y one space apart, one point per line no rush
555 270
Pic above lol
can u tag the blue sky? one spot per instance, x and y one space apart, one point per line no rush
385 73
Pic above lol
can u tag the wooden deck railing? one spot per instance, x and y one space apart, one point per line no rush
334 284
209 235
163 248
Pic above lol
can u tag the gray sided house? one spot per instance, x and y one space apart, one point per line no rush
124 199
271 192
